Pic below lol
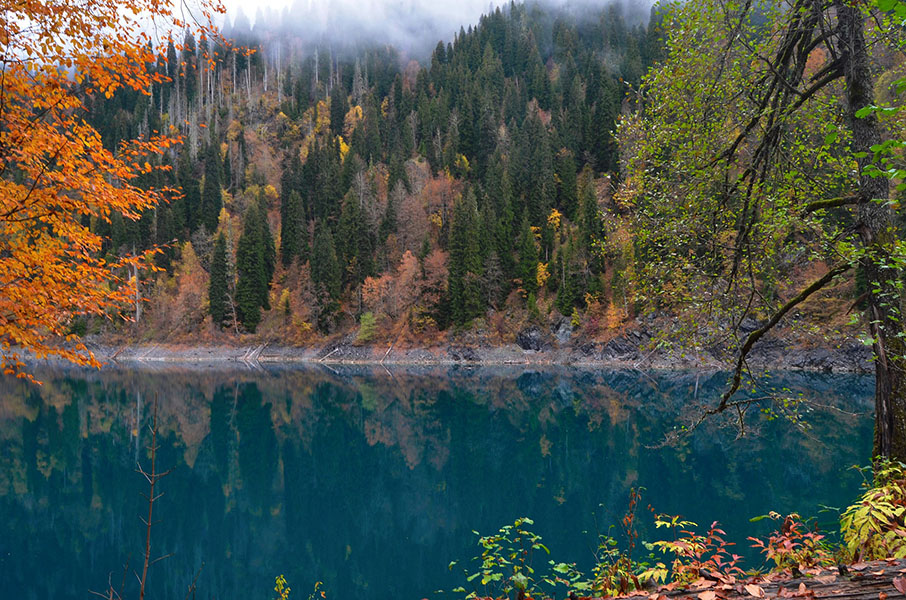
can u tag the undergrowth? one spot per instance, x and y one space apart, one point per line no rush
515 562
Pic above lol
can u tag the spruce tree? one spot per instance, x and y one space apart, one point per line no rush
218 288
356 245
567 199
291 228
191 200
464 285
339 106
268 252
527 268
325 274
211 199
253 267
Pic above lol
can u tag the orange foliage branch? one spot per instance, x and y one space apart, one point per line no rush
56 176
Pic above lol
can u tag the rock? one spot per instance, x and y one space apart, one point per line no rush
531 339
463 353
564 331
588 349
748 325
620 348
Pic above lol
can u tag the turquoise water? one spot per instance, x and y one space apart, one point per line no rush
373 480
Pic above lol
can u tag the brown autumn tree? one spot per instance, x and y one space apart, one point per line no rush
56 177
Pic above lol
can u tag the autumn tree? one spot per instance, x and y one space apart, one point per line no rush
56 175
750 162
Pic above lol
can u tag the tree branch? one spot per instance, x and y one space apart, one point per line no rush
831 203
760 332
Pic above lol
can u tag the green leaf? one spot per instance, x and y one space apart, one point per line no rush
864 112
758 518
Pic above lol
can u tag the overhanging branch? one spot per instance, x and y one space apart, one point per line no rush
760 332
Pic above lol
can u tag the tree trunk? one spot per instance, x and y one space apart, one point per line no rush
876 228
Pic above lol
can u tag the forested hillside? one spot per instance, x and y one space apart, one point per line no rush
324 187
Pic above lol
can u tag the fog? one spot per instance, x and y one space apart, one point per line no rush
411 25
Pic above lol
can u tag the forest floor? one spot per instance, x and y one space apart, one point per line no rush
878 580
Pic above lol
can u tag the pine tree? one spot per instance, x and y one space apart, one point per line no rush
356 244
191 200
291 227
254 267
325 274
211 198
268 252
565 167
339 106
218 289
527 268
465 261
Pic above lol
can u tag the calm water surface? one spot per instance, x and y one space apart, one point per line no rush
373 481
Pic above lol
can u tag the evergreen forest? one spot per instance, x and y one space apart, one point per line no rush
320 182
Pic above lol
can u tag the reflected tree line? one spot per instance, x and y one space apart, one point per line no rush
373 482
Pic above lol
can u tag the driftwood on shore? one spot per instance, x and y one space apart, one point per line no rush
879 580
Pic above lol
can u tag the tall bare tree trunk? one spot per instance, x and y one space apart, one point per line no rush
876 229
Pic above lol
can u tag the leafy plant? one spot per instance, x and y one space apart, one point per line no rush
506 561
694 552
796 544
281 588
873 527
615 572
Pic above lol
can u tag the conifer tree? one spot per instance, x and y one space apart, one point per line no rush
211 199
527 268
325 274
465 261
268 252
291 228
339 106
191 200
218 289
252 269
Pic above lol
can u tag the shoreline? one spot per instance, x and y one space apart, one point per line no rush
627 352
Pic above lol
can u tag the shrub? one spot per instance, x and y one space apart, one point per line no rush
795 544
873 527
367 328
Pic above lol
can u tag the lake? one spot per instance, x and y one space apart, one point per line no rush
373 480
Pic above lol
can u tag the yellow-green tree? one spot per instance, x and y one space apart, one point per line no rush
747 164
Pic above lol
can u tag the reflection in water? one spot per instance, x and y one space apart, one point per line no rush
373 482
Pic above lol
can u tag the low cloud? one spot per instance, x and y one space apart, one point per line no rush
411 25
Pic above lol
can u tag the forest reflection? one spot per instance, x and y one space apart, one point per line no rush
373 480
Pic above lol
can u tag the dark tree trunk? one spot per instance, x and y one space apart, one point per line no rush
876 228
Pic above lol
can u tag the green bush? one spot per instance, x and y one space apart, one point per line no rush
367 328
872 527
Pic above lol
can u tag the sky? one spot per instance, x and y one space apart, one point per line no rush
400 22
